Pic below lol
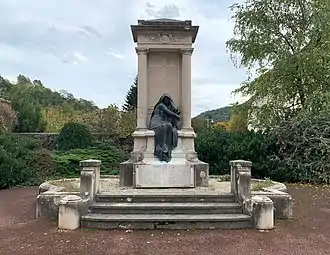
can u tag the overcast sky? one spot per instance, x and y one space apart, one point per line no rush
86 46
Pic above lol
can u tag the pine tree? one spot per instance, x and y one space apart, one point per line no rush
131 97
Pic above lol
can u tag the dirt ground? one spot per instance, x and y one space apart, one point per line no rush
308 233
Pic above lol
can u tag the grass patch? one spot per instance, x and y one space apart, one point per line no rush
258 186
68 185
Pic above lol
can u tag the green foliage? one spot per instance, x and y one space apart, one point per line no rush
218 147
287 43
199 124
67 162
304 148
127 123
7 116
29 117
131 97
18 161
221 114
238 119
30 98
57 117
104 121
74 136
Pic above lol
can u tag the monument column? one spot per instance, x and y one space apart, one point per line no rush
142 101
186 88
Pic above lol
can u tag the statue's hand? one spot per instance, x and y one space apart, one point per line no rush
178 111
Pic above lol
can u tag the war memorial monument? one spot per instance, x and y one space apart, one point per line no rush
164 184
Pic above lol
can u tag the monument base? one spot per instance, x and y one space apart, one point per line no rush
150 173
164 175
126 170
184 170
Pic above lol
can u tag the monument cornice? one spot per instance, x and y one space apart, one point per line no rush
164 26
142 50
186 51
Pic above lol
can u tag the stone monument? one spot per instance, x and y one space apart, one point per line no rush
164 154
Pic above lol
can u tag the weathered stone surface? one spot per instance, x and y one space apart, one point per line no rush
46 186
127 169
166 208
283 204
243 163
164 175
241 179
48 204
263 213
90 163
69 212
201 173
89 178
163 221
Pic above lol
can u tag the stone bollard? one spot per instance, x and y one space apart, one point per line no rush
69 212
89 178
241 179
263 213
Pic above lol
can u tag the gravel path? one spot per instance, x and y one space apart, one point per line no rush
307 234
112 185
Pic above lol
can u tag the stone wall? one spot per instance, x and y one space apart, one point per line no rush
48 140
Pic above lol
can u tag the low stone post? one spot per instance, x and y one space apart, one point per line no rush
241 183
69 212
263 213
89 178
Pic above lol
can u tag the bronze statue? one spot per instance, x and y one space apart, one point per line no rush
164 121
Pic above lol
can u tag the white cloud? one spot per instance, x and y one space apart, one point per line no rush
86 47
79 57
116 55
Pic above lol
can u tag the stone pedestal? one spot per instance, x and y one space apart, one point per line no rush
69 212
89 178
184 170
263 213
164 175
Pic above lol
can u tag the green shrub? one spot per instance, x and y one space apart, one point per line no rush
303 149
16 155
67 162
42 164
218 147
74 136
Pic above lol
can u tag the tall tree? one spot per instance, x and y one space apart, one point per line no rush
56 117
103 120
7 116
36 105
238 119
131 97
287 43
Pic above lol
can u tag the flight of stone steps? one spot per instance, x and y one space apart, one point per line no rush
176 210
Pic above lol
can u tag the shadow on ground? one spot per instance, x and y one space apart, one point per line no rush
308 233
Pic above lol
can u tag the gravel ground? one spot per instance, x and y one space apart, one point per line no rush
307 234
112 185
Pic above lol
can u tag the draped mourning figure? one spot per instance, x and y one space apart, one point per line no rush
165 121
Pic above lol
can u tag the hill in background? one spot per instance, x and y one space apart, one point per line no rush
217 115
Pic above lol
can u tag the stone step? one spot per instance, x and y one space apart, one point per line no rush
166 221
175 197
166 208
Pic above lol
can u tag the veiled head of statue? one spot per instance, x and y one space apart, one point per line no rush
166 99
